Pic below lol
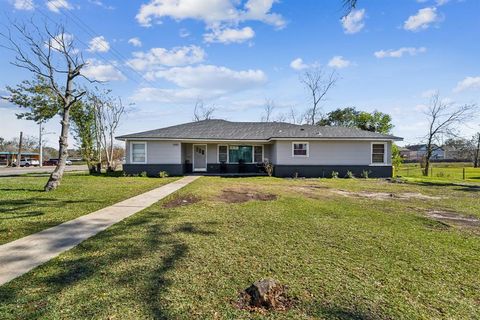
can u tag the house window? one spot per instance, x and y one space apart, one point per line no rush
300 149
238 154
258 154
139 153
222 154
378 153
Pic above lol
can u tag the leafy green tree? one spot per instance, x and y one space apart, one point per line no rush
350 117
397 159
84 131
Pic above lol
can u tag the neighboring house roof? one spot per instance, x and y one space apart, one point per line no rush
422 147
227 130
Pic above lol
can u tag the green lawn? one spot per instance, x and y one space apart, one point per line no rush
25 208
442 171
343 257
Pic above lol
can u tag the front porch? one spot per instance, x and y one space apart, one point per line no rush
224 158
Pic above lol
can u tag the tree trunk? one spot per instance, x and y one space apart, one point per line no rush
57 174
476 161
428 155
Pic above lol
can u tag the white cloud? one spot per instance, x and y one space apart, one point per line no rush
442 2
468 83
210 77
98 44
212 12
229 35
203 81
298 64
57 5
338 62
399 52
56 42
136 42
183 33
96 70
353 22
24 5
156 58
428 93
101 4
422 19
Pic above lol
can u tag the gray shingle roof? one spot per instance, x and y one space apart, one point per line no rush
227 130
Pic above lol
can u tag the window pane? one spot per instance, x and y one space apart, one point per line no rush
378 153
138 152
222 153
300 149
258 154
240 153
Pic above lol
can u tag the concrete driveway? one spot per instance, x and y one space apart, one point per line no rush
8 172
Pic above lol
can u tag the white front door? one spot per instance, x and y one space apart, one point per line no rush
199 157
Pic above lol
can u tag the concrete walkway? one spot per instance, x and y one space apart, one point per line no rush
22 255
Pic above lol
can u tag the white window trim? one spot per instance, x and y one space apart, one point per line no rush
300 156
218 153
131 151
253 152
385 160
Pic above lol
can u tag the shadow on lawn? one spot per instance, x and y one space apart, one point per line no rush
460 186
127 264
16 206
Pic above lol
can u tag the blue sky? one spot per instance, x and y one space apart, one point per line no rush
162 55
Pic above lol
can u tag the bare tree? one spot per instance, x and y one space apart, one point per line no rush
268 109
202 112
108 114
443 117
295 118
50 54
476 159
318 82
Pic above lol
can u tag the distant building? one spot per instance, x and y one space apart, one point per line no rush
417 152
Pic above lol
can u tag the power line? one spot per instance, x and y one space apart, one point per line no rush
95 53
89 30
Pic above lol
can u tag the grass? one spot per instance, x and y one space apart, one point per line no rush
25 208
442 171
342 257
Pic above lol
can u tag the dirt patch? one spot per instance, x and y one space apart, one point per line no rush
385 195
453 217
264 295
238 196
181 201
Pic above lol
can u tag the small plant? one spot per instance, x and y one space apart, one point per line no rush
365 174
334 174
295 175
268 168
163 174
143 174
349 175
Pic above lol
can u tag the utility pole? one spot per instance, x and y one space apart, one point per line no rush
40 144
19 155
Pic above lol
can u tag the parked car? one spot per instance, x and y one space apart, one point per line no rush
27 162
54 162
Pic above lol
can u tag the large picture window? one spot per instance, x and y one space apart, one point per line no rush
300 149
238 154
139 152
378 153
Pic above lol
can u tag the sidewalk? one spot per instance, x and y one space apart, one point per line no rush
22 255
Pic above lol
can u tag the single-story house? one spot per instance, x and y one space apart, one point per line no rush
220 146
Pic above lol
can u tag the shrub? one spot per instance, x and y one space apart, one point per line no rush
334 174
349 175
365 174
143 174
163 174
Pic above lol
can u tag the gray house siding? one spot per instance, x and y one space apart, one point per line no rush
329 153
